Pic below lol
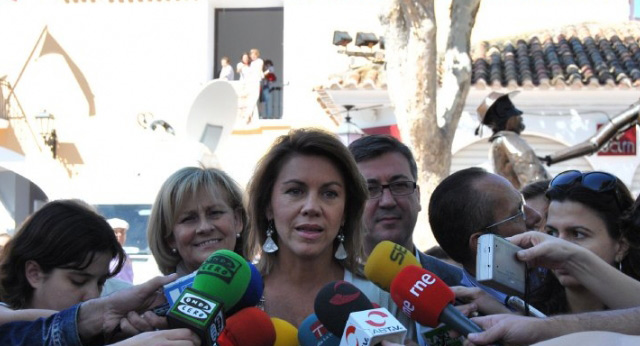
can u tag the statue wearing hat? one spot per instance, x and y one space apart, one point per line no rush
511 155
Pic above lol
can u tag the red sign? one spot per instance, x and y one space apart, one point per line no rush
620 145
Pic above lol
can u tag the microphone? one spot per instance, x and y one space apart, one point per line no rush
425 298
518 304
252 294
313 333
249 326
385 262
286 333
220 283
345 310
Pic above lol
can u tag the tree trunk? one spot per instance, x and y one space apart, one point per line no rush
412 80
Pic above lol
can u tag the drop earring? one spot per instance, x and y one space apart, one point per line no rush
341 253
269 245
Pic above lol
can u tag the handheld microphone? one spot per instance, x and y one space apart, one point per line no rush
219 284
286 333
345 310
425 298
385 262
518 304
251 296
313 333
249 326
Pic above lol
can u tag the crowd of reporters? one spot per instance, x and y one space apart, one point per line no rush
326 231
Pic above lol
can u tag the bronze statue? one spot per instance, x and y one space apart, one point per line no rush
617 125
511 155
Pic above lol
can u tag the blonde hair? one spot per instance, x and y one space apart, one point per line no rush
177 190
308 142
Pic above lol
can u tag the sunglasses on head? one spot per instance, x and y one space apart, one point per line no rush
594 181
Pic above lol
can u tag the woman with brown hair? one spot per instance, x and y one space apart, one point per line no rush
306 200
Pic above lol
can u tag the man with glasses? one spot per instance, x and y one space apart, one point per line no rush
473 202
392 209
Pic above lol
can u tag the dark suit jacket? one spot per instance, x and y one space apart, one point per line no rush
450 274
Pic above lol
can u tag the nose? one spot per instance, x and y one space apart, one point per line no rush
387 200
204 225
92 291
311 206
533 218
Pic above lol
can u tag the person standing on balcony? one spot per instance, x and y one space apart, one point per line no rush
226 72
243 67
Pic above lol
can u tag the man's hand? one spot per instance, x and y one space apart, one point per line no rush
484 302
172 337
104 315
508 329
543 250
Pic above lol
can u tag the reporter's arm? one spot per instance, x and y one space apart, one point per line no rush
9 315
511 329
593 338
59 328
620 290
173 337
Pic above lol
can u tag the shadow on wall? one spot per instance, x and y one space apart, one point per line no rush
51 46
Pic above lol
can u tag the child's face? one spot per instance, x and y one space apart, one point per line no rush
224 62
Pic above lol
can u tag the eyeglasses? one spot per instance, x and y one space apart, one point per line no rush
397 188
510 218
594 181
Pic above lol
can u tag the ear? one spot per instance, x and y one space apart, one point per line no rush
473 244
33 273
237 215
269 212
418 197
623 249
172 241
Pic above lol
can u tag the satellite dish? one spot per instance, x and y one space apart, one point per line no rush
213 114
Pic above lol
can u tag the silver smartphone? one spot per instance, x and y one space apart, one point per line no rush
497 265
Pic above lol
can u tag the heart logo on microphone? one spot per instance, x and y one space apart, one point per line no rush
342 299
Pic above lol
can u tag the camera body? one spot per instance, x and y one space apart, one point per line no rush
498 267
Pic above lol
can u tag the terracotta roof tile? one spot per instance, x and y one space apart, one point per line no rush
576 56
586 55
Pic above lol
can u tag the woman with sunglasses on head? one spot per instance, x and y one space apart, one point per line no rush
586 209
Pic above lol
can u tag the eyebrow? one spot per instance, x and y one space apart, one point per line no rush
81 273
392 179
296 181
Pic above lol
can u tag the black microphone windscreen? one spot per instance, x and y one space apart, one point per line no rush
335 301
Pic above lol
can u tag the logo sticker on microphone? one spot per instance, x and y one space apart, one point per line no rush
221 266
194 306
350 331
377 315
318 330
341 299
398 254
